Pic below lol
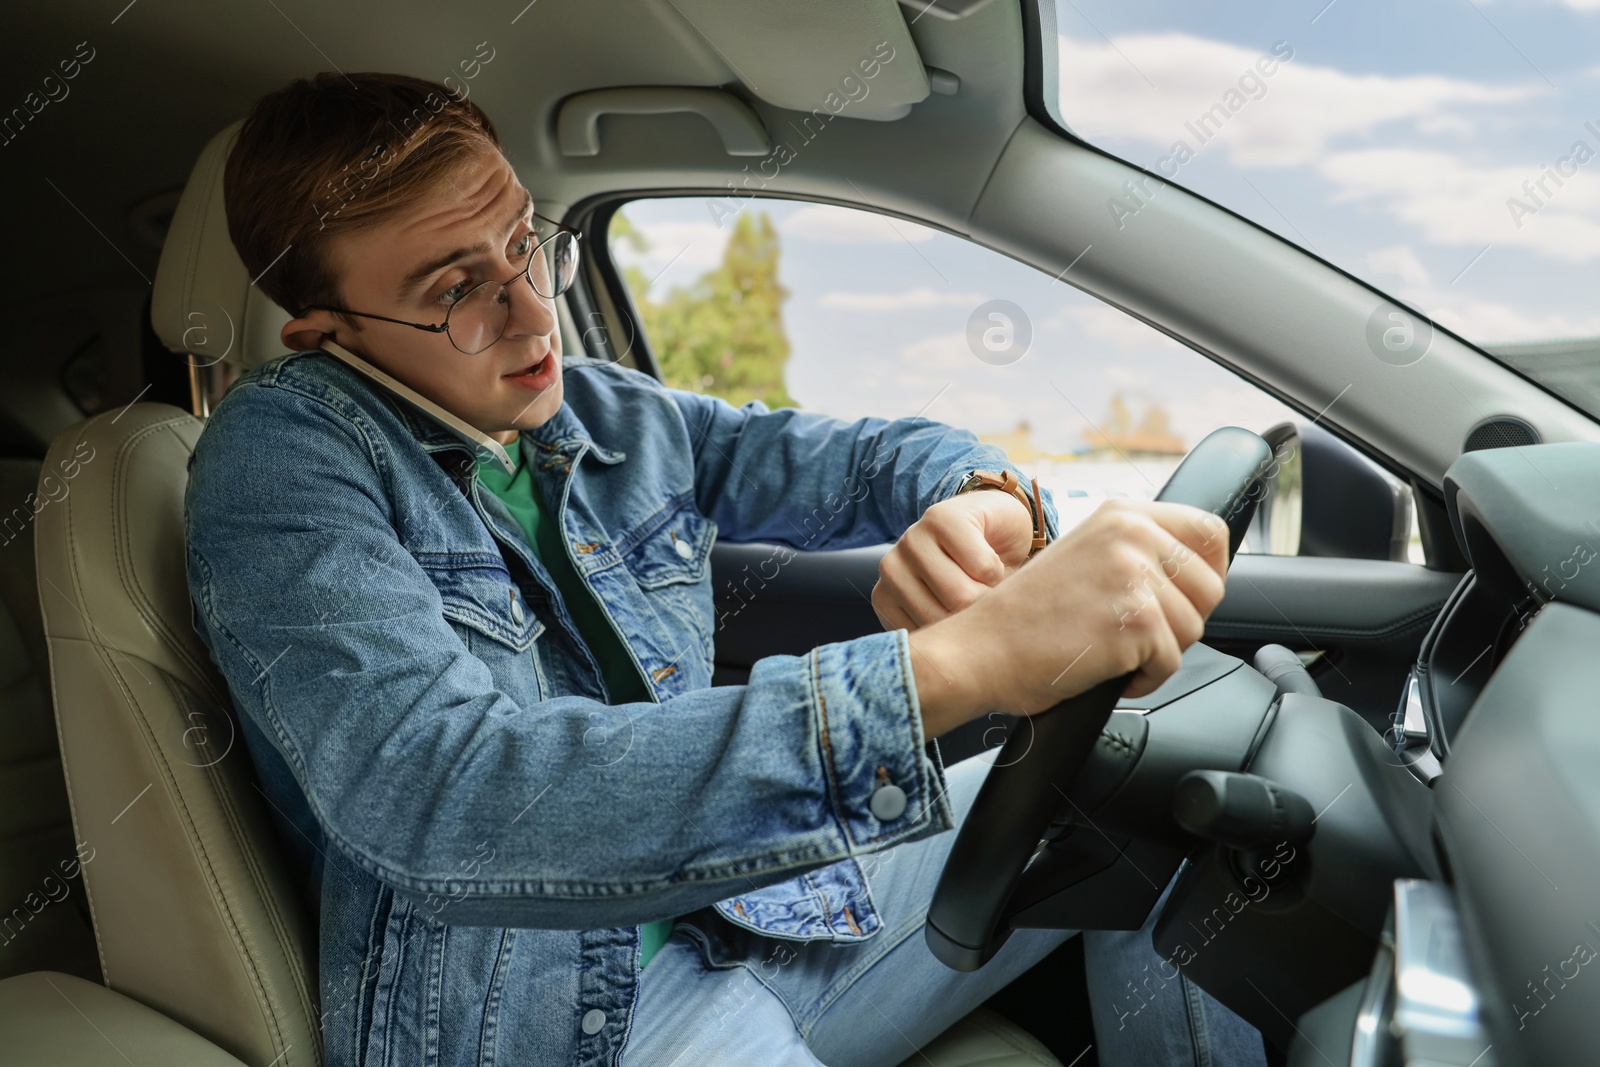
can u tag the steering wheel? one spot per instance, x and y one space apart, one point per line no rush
1027 785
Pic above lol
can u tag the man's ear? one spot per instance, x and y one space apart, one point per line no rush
307 332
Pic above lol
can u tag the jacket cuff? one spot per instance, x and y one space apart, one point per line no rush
882 785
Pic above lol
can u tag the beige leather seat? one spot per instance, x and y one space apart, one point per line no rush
60 1020
195 906
194 903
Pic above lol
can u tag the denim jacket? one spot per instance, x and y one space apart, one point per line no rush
482 832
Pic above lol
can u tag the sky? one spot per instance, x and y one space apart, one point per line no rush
1387 139
1391 142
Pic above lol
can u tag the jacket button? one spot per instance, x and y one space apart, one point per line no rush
593 1020
683 548
889 802
516 608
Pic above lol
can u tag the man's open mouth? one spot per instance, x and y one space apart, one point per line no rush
539 375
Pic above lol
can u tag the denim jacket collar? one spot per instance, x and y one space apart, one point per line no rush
563 432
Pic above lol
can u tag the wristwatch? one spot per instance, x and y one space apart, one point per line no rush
1008 482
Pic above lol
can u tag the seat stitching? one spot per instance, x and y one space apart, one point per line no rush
207 868
72 802
191 257
280 927
124 554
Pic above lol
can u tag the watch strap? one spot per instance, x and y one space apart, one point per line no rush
1007 482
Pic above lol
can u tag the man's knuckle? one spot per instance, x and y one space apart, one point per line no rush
1127 562
922 550
1145 623
962 599
1126 656
1117 516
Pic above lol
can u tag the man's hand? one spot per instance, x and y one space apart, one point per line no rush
1128 589
957 551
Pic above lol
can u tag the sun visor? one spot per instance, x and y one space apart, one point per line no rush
851 58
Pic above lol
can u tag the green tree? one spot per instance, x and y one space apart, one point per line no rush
723 333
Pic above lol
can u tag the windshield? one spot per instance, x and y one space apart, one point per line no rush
1445 151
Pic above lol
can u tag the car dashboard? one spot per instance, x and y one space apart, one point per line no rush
1498 717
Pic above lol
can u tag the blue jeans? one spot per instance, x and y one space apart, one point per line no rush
718 995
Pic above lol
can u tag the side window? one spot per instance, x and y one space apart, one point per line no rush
850 313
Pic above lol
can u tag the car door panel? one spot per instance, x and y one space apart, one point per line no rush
1360 621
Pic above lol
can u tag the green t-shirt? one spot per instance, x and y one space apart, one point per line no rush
623 684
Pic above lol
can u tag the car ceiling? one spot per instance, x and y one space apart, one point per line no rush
168 74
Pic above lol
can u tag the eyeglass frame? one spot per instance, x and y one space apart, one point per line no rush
444 327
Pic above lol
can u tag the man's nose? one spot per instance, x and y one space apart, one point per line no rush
530 313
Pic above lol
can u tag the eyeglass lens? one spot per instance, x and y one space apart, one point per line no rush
478 319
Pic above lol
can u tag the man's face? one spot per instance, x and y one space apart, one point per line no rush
476 227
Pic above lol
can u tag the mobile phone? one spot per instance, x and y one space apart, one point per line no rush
481 442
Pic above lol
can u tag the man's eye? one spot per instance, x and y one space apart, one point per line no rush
454 293
523 247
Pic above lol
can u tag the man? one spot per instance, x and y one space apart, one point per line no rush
466 618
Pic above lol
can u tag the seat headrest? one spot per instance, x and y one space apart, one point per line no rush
203 301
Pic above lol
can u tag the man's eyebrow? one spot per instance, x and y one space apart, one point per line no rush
411 281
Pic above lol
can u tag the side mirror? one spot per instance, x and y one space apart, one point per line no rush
1324 498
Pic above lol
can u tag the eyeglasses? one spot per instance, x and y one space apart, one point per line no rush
478 318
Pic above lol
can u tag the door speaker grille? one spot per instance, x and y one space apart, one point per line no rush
1500 431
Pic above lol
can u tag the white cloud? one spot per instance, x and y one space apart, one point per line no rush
824 222
1452 201
1340 125
941 353
982 410
920 297
1195 416
1103 323
1401 262
1583 7
1487 322
1482 320
1291 117
1127 377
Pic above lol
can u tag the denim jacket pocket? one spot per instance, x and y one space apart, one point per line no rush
671 547
493 620
487 600
669 557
